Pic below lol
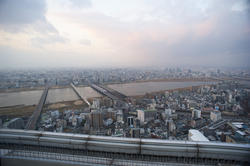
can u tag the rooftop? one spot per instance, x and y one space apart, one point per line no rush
195 135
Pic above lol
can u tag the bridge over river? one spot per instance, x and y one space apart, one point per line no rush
31 124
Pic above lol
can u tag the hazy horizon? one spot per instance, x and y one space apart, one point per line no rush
113 33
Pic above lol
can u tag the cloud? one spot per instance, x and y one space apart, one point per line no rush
15 15
21 12
196 33
139 32
81 3
28 17
85 42
24 15
45 40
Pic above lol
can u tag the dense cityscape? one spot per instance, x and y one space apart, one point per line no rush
124 83
61 77
217 111
11 79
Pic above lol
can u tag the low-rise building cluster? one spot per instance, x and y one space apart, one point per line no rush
186 114
212 112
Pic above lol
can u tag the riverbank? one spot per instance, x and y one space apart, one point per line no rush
17 111
168 90
60 94
203 79
112 83
26 111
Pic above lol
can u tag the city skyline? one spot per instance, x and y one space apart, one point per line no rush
136 82
92 33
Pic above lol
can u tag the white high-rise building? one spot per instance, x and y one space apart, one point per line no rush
215 116
230 98
146 115
168 112
196 114
119 116
96 104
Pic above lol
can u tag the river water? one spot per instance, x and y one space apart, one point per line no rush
133 89
67 94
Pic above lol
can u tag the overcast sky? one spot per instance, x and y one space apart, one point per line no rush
124 33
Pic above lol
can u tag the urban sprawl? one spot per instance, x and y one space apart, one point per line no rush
217 112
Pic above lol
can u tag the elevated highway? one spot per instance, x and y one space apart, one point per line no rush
31 124
214 125
114 92
39 144
104 91
79 95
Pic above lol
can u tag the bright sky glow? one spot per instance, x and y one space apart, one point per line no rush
118 33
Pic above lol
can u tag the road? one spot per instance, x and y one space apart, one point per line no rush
31 124
78 94
104 92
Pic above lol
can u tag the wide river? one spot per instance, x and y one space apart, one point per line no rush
67 94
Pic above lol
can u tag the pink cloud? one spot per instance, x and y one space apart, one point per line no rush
204 28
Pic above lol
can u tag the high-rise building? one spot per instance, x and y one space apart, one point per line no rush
135 132
215 115
196 114
130 121
171 126
96 104
229 97
168 113
111 114
146 115
119 116
96 119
